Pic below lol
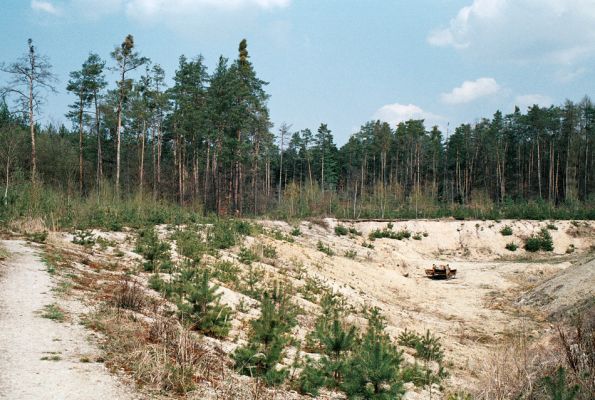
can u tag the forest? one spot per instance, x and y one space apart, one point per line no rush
206 143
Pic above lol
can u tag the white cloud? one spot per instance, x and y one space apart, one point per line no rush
528 100
158 8
555 31
395 113
44 6
471 90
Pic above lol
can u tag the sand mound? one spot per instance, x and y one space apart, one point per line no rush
569 291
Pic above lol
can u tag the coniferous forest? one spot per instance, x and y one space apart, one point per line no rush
206 143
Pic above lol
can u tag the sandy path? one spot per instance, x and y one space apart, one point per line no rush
26 337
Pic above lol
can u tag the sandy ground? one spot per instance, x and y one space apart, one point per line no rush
26 337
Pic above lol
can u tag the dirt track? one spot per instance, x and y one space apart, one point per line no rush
26 337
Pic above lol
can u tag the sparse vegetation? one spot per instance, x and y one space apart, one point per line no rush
53 312
326 249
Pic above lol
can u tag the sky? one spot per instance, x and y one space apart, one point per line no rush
339 62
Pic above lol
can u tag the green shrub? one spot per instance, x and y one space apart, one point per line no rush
511 246
155 251
506 231
341 230
408 339
570 249
225 271
296 231
269 251
325 248
189 244
222 235
417 236
542 241
552 227
247 256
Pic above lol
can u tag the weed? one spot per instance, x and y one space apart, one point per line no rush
129 295
570 249
37 237
269 251
351 254
84 238
417 236
53 312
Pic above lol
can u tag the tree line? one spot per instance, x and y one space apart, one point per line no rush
207 140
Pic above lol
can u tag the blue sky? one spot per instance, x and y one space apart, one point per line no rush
341 62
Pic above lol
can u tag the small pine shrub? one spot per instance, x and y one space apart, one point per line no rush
202 308
570 249
552 227
296 231
341 230
542 241
325 249
417 236
511 246
222 235
189 244
267 340
506 231
155 251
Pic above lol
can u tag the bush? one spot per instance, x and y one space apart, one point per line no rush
311 379
386 233
511 246
552 227
269 251
506 231
296 231
225 271
542 241
354 231
222 235
341 230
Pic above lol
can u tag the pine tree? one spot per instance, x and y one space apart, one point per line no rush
373 370
203 308
268 338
